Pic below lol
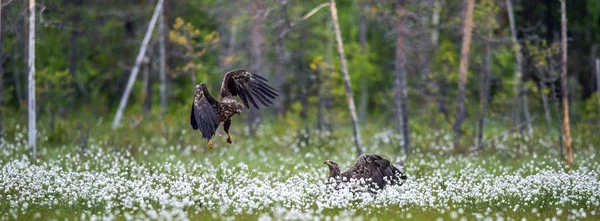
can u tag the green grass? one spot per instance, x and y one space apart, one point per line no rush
277 174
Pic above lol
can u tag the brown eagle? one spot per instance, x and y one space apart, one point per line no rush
208 113
372 168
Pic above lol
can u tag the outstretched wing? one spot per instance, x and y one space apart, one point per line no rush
203 117
390 172
252 88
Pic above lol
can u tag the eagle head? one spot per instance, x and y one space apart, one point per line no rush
239 108
334 168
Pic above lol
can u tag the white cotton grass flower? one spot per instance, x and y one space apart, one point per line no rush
106 185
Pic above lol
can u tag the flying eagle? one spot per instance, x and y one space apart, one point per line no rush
372 168
208 113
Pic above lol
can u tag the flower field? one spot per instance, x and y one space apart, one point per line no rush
260 180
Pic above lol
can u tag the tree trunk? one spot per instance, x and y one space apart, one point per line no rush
280 76
148 70
24 46
148 82
563 81
136 67
558 118
547 113
257 33
280 62
73 61
519 85
17 79
320 103
463 68
230 46
346 76
364 87
162 60
484 86
442 92
1 75
598 83
325 99
525 105
304 82
437 8
31 81
400 83
75 83
430 49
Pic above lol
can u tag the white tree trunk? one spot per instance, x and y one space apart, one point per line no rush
31 77
346 75
519 86
138 62
162 62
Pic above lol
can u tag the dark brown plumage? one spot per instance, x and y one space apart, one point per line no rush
374 169
207 113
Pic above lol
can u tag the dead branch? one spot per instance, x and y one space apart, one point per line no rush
291 26
505 133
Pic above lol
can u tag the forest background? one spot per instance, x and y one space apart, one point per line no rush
403 60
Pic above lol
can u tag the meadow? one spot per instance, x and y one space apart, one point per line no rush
164 173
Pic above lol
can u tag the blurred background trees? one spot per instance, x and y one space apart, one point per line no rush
86 49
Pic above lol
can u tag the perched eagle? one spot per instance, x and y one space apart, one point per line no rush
374 169
208 113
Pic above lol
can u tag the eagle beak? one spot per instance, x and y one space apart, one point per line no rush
328 162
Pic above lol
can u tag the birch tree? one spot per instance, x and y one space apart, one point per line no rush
563 81
464 64
280 59
519 85
138 62
346 76
31 81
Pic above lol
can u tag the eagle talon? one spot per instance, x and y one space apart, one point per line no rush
209 145
229 138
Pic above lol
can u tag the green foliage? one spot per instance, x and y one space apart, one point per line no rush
446 60
484 17
592 108
60 135
106 41
54 87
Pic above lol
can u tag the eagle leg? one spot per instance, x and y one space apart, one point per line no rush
229 138
209 145
226 125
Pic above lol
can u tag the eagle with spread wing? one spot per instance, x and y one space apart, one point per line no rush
373 169
208 113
